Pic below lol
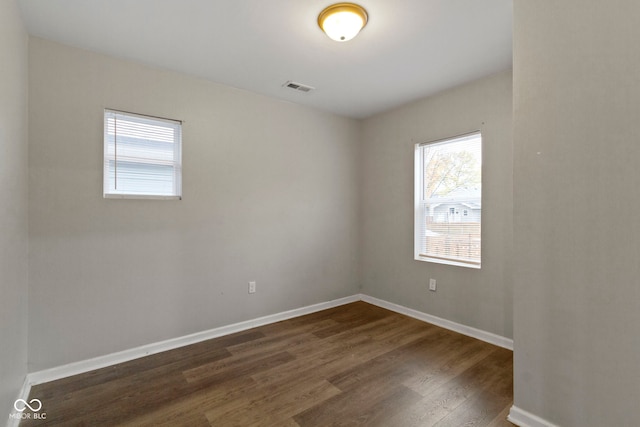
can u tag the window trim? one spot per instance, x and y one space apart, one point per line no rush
419 223
177 176
140 196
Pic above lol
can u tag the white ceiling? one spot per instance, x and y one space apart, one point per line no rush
408 50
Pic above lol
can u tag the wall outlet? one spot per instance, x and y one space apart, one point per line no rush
432 285
252 287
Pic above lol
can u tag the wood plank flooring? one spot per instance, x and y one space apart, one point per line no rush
354 365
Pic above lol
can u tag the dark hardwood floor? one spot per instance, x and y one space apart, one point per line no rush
354 365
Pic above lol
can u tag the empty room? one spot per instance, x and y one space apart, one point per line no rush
308 213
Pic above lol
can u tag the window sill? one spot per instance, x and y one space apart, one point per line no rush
458 263
141 196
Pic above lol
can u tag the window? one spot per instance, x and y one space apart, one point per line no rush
448 180
142 156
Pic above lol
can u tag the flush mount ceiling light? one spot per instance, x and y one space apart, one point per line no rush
342 21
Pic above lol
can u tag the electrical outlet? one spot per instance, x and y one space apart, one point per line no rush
432 285
252 287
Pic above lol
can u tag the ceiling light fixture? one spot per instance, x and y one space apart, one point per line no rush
342 21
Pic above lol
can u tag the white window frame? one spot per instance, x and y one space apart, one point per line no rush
174 159
420 206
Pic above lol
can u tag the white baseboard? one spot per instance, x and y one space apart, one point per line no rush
82 366
522 418
444 323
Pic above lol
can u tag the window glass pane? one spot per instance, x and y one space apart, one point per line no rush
142 155
449 208
143 179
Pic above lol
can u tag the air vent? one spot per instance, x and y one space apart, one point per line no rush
298 86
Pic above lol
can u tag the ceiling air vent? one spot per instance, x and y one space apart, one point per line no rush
298 86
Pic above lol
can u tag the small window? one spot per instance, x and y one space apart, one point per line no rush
448 177
142 156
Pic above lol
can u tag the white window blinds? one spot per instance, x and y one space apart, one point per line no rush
142 156
448 202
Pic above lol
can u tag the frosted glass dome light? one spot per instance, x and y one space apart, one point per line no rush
342 21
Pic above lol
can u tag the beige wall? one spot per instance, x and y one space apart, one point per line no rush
477 298
13 205
577 197
270 193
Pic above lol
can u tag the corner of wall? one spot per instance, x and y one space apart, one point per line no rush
13 210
